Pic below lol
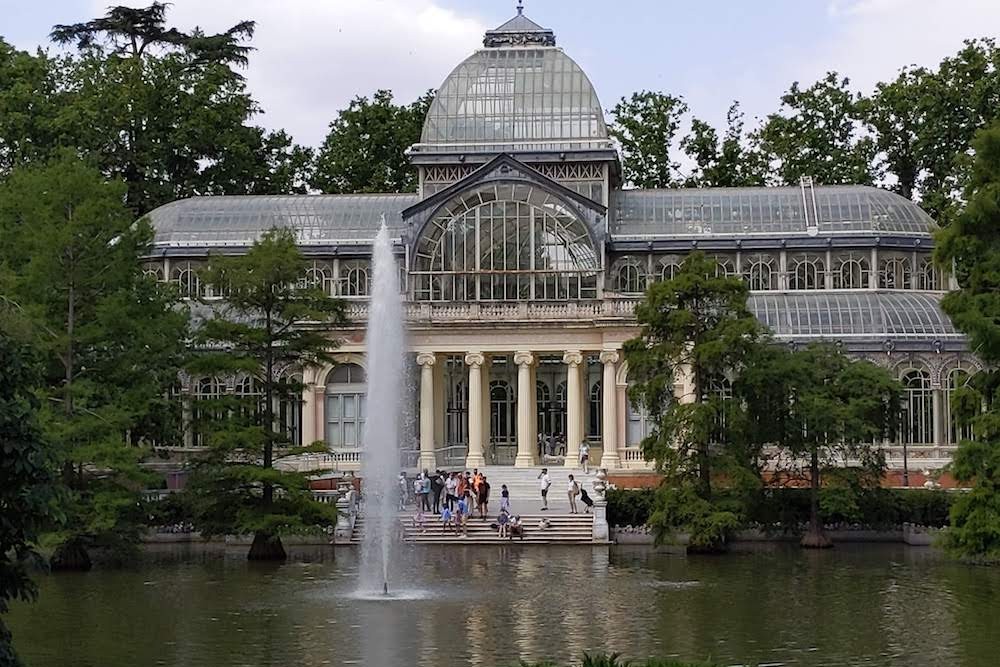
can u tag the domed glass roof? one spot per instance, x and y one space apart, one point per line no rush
521 93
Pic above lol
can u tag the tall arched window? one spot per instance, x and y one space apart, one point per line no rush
319 275
851 271
630 276
354 278
596 410
806 272
289 413
185 274
894 273
248 395
503 421
917 423
505 242
345 406
668 267
759 272
719 391
725 267
957 432
457 423
153 272
206 408
543 398
559 409
927 277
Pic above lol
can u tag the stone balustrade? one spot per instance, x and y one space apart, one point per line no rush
607 309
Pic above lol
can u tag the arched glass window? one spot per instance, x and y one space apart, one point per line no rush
639 425
345 406
917 423
759 273
290 410
319 275
153 271
806 272
505 242
185 274
668 267
206 408
725 267
354 278
543 398
719 391
248 395
457 410
927 277
851 271
957 378
503 421
894 273
596 410
559 410
630 276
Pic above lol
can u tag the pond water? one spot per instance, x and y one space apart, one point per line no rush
767 605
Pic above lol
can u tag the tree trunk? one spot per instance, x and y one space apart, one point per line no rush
266 547
814 537
70 556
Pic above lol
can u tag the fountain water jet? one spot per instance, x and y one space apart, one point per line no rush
385 354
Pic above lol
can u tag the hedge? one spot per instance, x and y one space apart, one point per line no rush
789 507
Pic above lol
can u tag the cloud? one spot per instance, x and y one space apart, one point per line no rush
313 56
871 40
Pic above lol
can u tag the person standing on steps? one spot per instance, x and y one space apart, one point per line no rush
484 497
572 490
504 499
425 492
585 457
436 485
451 491
544 483
404 491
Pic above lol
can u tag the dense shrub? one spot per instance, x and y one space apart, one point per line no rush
789 507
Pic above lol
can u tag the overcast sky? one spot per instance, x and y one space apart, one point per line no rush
313 56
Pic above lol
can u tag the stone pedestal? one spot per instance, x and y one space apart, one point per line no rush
601 531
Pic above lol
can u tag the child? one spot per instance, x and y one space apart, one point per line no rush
418 520
504 499
447 521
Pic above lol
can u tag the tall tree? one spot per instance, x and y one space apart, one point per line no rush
266 326
646 125
822 408
695 326
365 150
971 246
898 112
28 100
27 488
818 133
733 161
112 339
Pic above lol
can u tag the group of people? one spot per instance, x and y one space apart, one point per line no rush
453 497
555 445
574 490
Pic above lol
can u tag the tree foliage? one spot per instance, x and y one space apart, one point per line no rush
732 161
270 324
365 150
27 488
645 126
111 339
971 245
821 409
695 325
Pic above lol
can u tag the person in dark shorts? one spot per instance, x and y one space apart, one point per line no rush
544 483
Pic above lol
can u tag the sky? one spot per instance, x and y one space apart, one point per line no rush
313 56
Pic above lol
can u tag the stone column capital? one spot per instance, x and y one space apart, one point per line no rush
573 357
609 356
524 358
426 358
474 359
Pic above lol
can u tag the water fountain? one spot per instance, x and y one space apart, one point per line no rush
386 349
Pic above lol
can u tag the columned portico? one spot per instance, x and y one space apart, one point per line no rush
610 459
525 412
428 459
574 403
475 459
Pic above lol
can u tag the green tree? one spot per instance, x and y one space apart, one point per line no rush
818 133
28 99
365 150
695 326
645 126
111 339
735 161
819 406
971 245
267 324
27 488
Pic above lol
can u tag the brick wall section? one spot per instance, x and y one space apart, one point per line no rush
892 479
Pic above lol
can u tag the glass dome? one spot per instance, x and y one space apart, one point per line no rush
519 94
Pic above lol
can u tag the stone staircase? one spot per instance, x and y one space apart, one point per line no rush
525 497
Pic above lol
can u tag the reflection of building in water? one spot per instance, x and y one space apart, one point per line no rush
522 259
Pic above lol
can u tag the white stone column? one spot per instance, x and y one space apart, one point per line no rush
525 447
428 459
939 409
609 417
474 459
573 359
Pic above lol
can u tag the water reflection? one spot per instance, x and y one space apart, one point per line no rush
854 605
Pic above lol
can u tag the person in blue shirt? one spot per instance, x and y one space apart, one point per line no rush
463 513
447 521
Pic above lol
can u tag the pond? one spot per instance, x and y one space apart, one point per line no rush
769 605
